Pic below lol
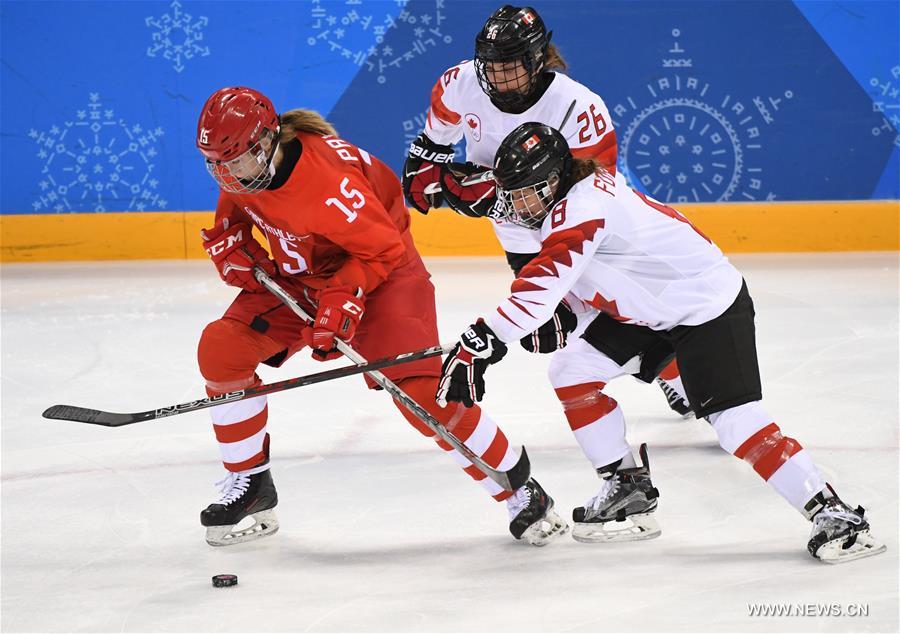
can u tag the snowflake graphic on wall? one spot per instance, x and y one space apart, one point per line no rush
418 32
177 36
97 162
416 124
886 100
685 141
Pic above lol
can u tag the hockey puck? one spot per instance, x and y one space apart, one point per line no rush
224 581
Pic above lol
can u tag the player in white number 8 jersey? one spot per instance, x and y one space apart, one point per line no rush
661 280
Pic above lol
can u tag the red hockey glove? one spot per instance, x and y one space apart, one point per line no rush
423 168
475 200
338 315
235 252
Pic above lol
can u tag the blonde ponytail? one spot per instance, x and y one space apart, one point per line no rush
299 120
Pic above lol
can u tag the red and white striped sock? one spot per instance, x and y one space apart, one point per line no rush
749 433
472 426
240 427
597 422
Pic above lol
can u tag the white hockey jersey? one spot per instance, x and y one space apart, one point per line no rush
459 107
624 254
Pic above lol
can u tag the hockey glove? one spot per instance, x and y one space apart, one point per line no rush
462 374
476 200
423 168
235 252
338 315
552 335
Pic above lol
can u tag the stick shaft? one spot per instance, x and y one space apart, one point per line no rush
500 477
434 188
114 419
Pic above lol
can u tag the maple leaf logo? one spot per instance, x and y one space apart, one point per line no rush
472 123
607 306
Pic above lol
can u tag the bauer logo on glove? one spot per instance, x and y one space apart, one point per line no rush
462 374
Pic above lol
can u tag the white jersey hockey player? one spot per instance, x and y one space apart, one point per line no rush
661 281
514 78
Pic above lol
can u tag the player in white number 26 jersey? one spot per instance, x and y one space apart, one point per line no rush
661 281
515 78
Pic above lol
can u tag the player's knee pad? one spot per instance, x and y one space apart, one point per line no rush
229 353
578 363
735 425
585 403
749 433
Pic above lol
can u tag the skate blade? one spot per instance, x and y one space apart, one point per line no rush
833 552
636 528
545 530
264 524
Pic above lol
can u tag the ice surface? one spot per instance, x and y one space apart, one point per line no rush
379 530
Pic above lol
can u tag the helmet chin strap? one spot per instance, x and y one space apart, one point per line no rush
271 163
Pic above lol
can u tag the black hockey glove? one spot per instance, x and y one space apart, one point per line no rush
423 168
462 375
552 335
475 201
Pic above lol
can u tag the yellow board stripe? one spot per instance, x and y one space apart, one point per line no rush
735 227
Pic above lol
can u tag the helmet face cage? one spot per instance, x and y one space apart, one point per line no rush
528 206
237 134
249 172
503 87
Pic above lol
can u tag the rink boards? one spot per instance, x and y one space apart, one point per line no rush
735 227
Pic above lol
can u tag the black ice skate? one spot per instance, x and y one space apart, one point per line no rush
676 402
246 494
622 510
839 533
531 515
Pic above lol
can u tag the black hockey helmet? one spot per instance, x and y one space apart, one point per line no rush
511 34
531 169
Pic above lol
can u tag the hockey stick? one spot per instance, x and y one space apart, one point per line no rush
482 177
113 419
509 480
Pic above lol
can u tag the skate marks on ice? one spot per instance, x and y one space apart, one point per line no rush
377 541
379 531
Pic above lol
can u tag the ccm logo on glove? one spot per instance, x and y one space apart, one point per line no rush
227 243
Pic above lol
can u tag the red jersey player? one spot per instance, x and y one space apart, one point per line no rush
338 231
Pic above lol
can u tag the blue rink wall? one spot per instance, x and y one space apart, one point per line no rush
100 99
793 101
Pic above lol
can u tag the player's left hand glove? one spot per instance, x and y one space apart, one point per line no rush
462 374
423 168
552 335
340 309
476 200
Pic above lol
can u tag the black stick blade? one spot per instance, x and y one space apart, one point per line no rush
84 415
